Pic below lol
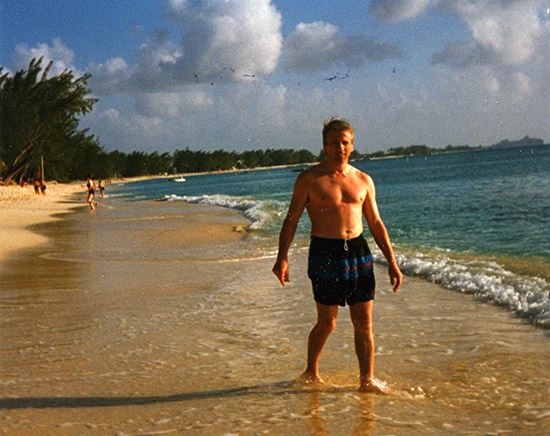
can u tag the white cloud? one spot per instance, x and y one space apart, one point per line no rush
316 46
153 70
466 55
523 83
490 82
227 38
507 58
173 103
391 94
503 31
399 10
111 114
238 117
59 54
110 76
221 40
157 55
127 131
512 30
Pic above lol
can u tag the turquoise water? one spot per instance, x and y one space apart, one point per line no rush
474 222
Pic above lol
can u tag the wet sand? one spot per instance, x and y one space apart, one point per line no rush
165 318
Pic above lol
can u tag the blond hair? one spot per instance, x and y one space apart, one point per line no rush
337 125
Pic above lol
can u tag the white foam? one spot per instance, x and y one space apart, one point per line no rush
528 297
258 211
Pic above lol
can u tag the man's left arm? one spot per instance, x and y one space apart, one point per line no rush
380 234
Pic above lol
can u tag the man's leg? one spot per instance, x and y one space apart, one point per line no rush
326 322
361 317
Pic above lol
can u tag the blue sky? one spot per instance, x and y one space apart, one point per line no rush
246 74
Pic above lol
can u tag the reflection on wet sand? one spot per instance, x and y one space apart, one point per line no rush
322 418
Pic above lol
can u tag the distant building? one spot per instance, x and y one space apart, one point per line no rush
525 142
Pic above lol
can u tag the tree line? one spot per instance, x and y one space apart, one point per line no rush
118 164
419 150
39 122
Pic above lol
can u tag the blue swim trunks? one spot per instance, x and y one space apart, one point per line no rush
341 271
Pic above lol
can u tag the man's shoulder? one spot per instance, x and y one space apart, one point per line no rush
313 172
355 172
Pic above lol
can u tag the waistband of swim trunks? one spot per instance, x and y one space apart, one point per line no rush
336 241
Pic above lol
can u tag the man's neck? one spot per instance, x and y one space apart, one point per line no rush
336 167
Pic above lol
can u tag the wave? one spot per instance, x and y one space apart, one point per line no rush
260 212
526 296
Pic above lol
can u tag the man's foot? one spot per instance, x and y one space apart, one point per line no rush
307 378
374 386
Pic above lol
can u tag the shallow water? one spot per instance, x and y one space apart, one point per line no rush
127 325
473 222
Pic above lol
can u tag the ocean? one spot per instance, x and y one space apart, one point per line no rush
474 222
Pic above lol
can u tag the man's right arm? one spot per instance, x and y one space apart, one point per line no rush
288 230
380 234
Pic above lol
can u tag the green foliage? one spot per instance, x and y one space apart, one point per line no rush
419 150
199 161
412 150
39 117
378 154
355 155
139 163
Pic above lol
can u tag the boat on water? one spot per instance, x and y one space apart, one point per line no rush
178 179
525 142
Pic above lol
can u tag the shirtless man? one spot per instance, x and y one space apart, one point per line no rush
336 196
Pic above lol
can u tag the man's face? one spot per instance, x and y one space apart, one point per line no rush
338 146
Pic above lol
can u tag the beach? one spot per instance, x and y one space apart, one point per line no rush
148 317
20 208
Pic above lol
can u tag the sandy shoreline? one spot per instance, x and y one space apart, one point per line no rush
20 208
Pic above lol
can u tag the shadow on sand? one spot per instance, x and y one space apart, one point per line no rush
280 388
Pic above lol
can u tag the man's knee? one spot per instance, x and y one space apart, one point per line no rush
326 318
327 323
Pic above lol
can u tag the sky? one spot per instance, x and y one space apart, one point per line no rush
255 74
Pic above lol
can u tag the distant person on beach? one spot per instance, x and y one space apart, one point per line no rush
336 196
101 188
43 187
90 186
36 185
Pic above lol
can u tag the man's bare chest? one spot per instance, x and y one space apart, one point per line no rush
330 192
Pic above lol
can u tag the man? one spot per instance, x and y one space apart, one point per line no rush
336 196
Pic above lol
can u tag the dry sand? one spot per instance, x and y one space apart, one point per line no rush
20 208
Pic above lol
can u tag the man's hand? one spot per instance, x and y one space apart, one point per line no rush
396 276
281 271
